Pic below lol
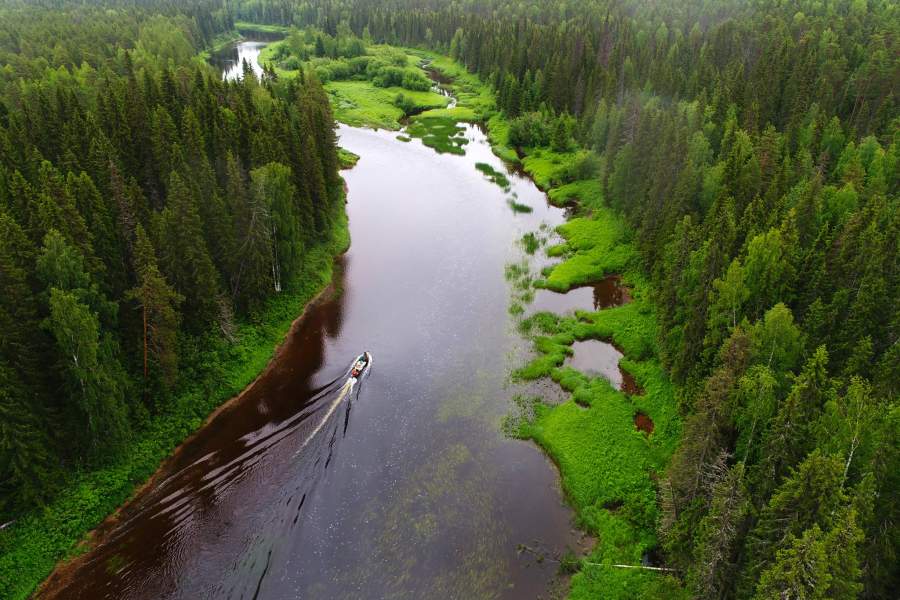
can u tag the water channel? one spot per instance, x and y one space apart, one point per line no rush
411 490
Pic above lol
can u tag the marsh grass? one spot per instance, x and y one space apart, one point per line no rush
443 134
605 462
493 175
594 247
362 104
518 207
522 414
603 459
530 242
346 158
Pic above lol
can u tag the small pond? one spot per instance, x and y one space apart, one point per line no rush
607 293
597 358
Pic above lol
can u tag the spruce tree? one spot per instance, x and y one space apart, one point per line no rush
184 257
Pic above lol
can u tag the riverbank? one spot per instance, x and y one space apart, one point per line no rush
220 373
357 101
609 445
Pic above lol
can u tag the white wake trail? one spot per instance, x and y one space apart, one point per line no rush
345 391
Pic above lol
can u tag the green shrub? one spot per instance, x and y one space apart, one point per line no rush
528 130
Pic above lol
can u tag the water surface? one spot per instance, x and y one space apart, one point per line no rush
410 490
231 58
607 293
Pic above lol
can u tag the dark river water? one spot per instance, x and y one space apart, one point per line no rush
408 489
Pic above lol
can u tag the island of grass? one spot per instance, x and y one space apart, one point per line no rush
346 158
518 207
493 174
443 134
370 85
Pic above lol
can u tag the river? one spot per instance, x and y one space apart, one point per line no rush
410 490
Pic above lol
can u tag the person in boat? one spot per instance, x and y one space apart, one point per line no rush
358 366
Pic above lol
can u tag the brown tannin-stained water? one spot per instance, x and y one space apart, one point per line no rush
606 293
643 423
409 489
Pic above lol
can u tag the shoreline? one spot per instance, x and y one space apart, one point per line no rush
544 174
33 544
57 580
595 419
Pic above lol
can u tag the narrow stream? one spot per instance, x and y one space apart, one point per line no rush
410 490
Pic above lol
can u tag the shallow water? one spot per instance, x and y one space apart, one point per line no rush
606 293
410 490
597 358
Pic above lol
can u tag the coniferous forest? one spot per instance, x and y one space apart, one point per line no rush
753 146
147 207
755 149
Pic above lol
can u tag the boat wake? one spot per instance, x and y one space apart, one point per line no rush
199 512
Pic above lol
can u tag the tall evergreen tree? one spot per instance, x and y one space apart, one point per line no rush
158 304
184 257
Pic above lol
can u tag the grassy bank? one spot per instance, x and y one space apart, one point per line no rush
608 466
218 43
246 27
31 547
357 100
362 104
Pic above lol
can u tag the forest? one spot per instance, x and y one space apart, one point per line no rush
754 147
148 208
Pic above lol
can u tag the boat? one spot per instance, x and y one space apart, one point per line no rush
360 365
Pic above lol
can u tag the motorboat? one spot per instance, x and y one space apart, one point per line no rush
362 362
